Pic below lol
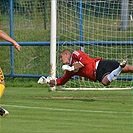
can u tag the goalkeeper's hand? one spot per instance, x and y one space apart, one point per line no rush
68 68
43 80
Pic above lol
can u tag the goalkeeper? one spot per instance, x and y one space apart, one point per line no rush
79 63
5 37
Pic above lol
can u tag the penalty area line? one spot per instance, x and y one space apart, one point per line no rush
67 110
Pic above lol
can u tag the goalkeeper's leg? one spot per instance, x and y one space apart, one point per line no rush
3 112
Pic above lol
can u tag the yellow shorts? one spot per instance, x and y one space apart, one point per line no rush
2 87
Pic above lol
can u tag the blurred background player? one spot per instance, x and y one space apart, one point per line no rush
5 37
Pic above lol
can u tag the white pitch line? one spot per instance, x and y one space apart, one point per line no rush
68 110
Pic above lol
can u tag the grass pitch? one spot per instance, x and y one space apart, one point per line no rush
36 110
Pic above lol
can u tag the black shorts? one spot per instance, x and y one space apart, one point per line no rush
105 67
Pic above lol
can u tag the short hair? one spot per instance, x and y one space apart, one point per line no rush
66 51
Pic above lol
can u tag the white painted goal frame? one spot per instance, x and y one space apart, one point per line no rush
71 42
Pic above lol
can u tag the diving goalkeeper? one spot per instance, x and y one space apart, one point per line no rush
5 37
79 63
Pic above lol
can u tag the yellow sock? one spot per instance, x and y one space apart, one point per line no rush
2 87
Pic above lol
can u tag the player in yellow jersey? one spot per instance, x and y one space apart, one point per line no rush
3 112
5 37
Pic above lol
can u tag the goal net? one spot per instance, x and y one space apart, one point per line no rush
101 28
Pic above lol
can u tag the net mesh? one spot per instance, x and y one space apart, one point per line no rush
96 28
93 26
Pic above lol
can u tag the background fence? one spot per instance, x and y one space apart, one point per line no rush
28 22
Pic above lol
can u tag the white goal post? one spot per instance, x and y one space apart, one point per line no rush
53 41
101 28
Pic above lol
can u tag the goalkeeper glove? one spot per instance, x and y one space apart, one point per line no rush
67 67
43 80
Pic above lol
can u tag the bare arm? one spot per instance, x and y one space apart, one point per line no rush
5 37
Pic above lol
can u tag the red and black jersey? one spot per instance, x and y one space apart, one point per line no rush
88 70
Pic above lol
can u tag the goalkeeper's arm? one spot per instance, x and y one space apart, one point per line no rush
48 80
76 67
61 81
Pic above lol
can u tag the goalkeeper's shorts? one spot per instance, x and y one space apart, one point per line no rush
105 67
2 87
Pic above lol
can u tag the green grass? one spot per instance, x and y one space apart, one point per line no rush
35 109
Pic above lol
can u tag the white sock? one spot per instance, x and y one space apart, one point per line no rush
113 75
